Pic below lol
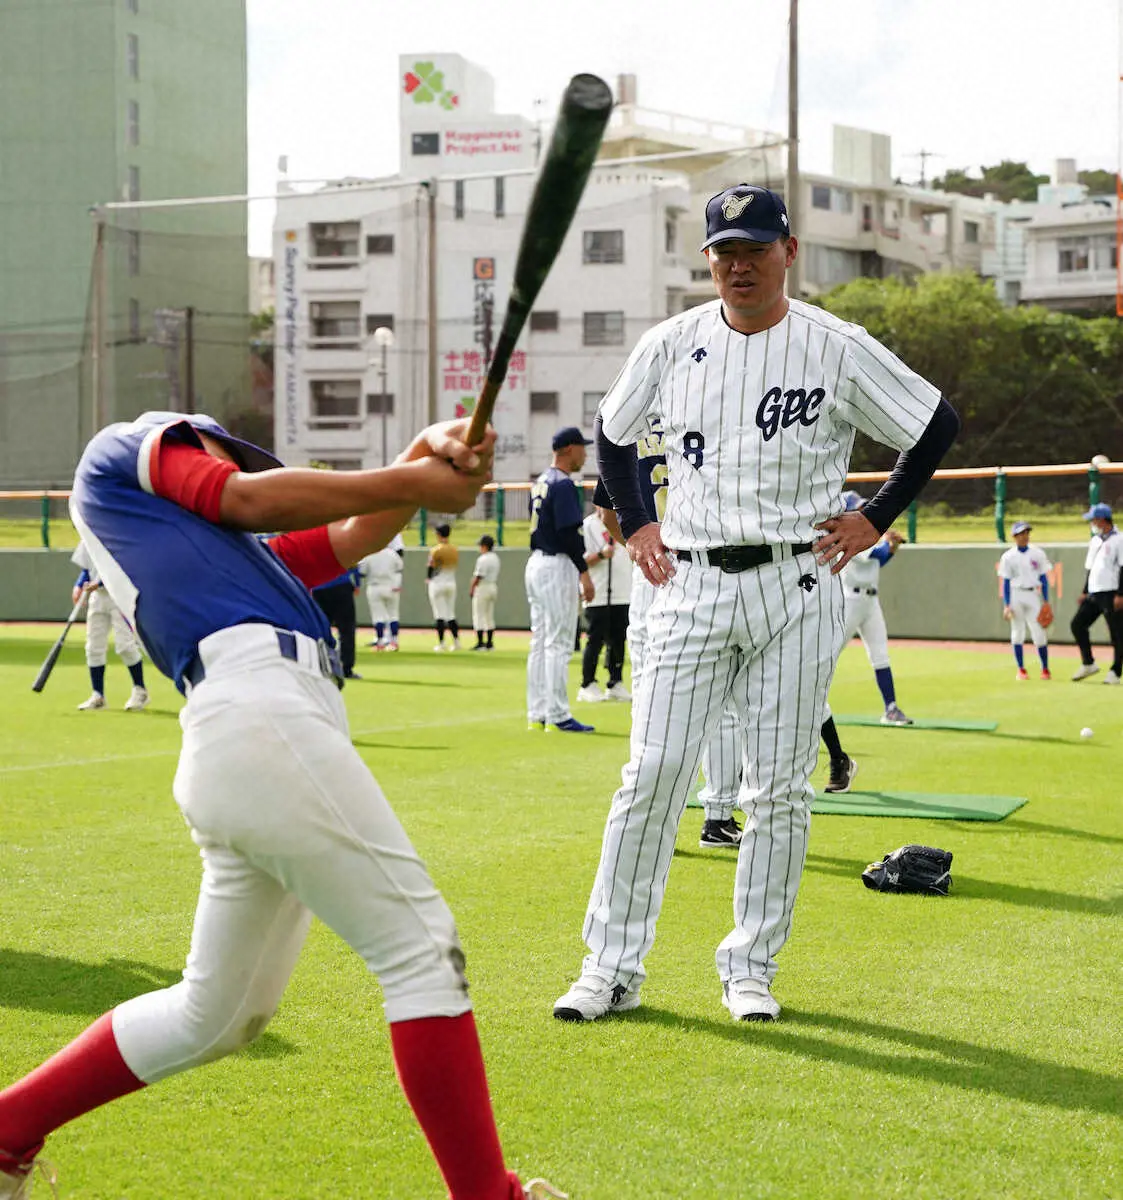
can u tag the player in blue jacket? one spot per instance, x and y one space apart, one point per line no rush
287 817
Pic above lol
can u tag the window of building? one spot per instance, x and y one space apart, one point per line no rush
1072 254
458 200
842 200
134 320
376 401
132 187
340 464
670 236
379 321
603 329
543 402
590 402
132 244
1105 255
603 246
339 239
700 275
133 6
500 196
543 321
380 243
820 196
132 123
335 324
867 218
132 55
335 403
425 143
971 232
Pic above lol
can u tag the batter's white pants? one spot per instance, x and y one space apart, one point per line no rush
483 606
865 618
551 590
101 615
1025 605
442 597
758 641
289 822
722 758
384 601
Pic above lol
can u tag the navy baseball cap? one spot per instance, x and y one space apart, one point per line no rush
852 500
1098 512
745 212
570 436
250 458
1021 527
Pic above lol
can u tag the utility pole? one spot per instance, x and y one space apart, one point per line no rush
189 363
431 320
791 186
97 333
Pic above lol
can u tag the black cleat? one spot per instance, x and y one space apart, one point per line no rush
842 775
720 833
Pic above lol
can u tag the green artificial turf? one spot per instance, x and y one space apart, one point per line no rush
929 1048
923 805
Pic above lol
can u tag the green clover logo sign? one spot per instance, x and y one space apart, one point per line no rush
424 83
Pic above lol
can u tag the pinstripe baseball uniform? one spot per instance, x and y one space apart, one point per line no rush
758 431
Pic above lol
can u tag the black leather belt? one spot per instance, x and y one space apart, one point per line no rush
732 559
286 644
863 591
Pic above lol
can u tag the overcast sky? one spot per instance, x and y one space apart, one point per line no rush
973 81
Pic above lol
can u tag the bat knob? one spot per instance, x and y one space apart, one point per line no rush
589 92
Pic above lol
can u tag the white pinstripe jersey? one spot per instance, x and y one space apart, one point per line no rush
759 427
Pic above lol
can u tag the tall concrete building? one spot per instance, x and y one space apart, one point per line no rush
104 101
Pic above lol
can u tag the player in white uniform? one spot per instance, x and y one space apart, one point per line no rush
381 573
102 615
759 398
1102 594
484 590
1023 570
860 580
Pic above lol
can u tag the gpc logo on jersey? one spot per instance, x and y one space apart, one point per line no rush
778 409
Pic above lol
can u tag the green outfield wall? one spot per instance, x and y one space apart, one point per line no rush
932 592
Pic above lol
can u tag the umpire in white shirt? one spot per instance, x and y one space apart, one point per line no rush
606 615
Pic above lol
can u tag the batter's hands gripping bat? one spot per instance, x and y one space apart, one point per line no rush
583 114
52 658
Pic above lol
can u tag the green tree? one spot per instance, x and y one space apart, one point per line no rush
1098 183
1007 181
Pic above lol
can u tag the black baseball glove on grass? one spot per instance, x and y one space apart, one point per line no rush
919 869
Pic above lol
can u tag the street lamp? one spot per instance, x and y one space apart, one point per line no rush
383 339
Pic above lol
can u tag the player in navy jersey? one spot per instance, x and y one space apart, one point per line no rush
555 571
287 817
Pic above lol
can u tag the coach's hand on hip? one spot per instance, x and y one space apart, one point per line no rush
650 555
843 537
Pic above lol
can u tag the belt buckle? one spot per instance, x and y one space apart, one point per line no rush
735 559
330 665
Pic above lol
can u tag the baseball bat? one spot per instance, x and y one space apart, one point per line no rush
585 108
52 658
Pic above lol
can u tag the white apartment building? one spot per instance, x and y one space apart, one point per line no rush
354 257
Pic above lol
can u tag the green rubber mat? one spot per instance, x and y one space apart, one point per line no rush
918 723
932 805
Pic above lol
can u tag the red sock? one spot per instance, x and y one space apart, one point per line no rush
87 1073
441 1070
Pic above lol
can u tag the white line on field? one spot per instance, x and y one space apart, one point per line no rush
114 758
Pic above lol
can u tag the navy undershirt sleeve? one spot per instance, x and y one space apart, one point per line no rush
619 472
913 469
573 546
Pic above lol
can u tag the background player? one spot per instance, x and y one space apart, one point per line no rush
555 573
441 574
606 615
749 615
484 589
337 599
101 616
382 573
288 818
1102 594
1025 587
863 611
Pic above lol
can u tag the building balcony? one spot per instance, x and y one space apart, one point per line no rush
1071 288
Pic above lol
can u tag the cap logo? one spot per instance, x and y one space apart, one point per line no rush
733 206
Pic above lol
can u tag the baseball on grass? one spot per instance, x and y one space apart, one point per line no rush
1100 460
1086 732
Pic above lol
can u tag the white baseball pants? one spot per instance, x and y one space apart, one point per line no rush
483 606
551 590
442 597
722 757
384 601
101 615
865 618
758 641
289 822
1025 606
